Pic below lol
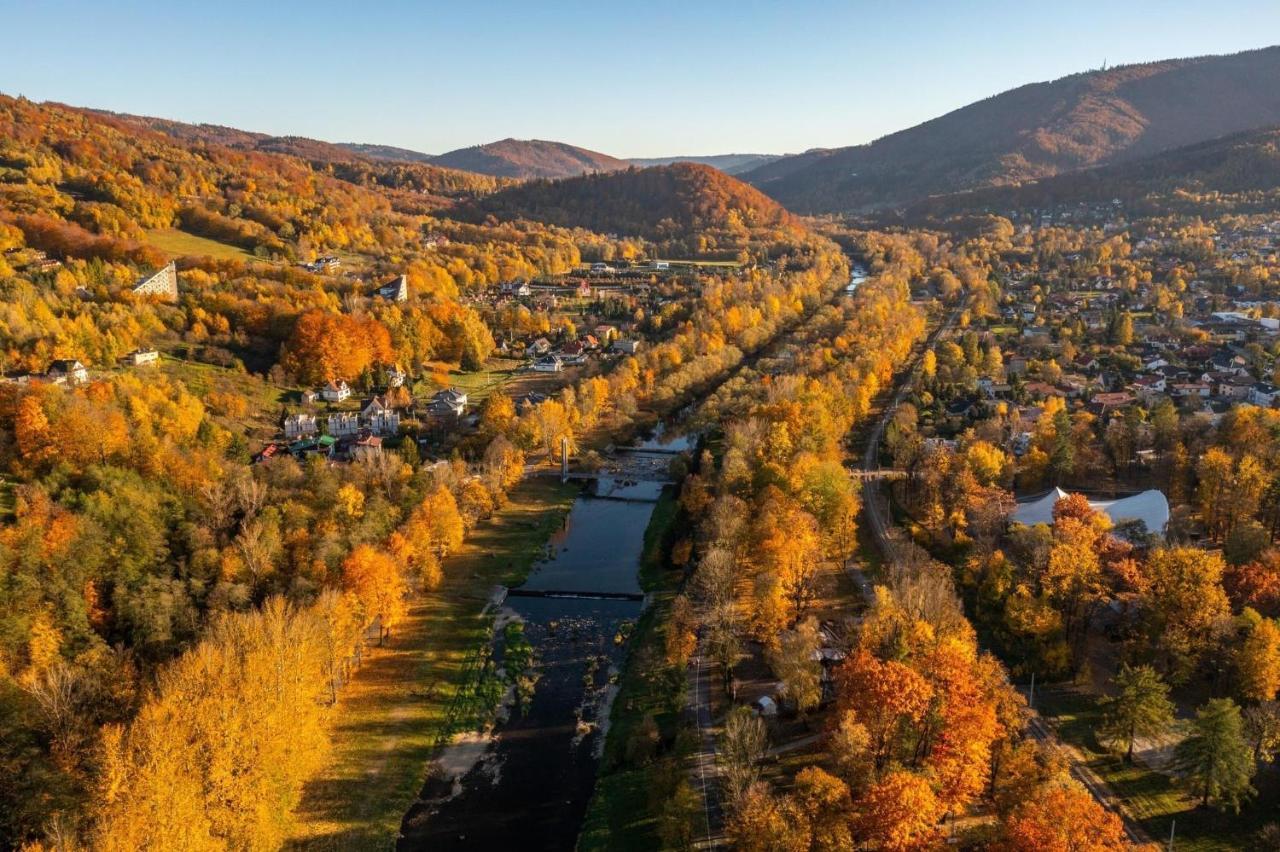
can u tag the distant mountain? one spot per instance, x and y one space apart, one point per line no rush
660 201
386 152
1037 131
1247 162
730 164
531 158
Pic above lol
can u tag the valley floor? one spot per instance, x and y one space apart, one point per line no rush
395 708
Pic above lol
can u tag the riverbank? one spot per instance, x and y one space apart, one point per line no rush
396 706
624 812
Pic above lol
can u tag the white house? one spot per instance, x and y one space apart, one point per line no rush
396 377
138 357
335 392
70 371
453 400
548 364
299 425
162 283
629 347
385 422
1264 394
343 423
395 290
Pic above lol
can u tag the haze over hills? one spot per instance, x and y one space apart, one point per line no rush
529 158
653 202
1037 131
386 152
730 164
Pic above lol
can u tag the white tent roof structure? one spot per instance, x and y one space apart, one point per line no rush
1151 507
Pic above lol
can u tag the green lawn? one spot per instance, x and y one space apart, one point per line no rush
265 400
181 244
1152 797
390 715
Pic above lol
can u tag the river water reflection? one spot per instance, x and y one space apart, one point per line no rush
533 784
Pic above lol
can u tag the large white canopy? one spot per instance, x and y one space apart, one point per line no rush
1150 507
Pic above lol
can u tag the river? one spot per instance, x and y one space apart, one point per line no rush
531 787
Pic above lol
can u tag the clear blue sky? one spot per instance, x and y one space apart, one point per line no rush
636 79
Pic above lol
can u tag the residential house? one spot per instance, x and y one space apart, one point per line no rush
380 417
69 371
395 290
1264 394
541 346
396 377
1103 403
1184 389
343 423
384 422
335 391
368 446
548 364
627 347
529 400
449 401
139 357
300 426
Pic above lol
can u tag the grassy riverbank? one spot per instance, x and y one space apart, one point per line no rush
623 814
391 713
1152 797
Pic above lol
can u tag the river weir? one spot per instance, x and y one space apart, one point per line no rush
528 782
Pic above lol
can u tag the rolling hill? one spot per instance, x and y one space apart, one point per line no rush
659 201
1247 162
532 158
1038 131
366 165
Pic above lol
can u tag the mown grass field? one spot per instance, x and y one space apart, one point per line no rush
178 243
1154 798
388 718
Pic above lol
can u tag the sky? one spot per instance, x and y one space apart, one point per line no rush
647 79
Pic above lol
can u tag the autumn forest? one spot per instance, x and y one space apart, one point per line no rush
342 484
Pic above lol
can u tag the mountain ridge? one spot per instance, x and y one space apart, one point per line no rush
529 158
1037 130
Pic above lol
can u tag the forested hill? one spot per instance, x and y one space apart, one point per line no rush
1039 130
1244 164
657 203
368 165
529 158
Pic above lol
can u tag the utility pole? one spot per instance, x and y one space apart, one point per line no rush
1031 693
